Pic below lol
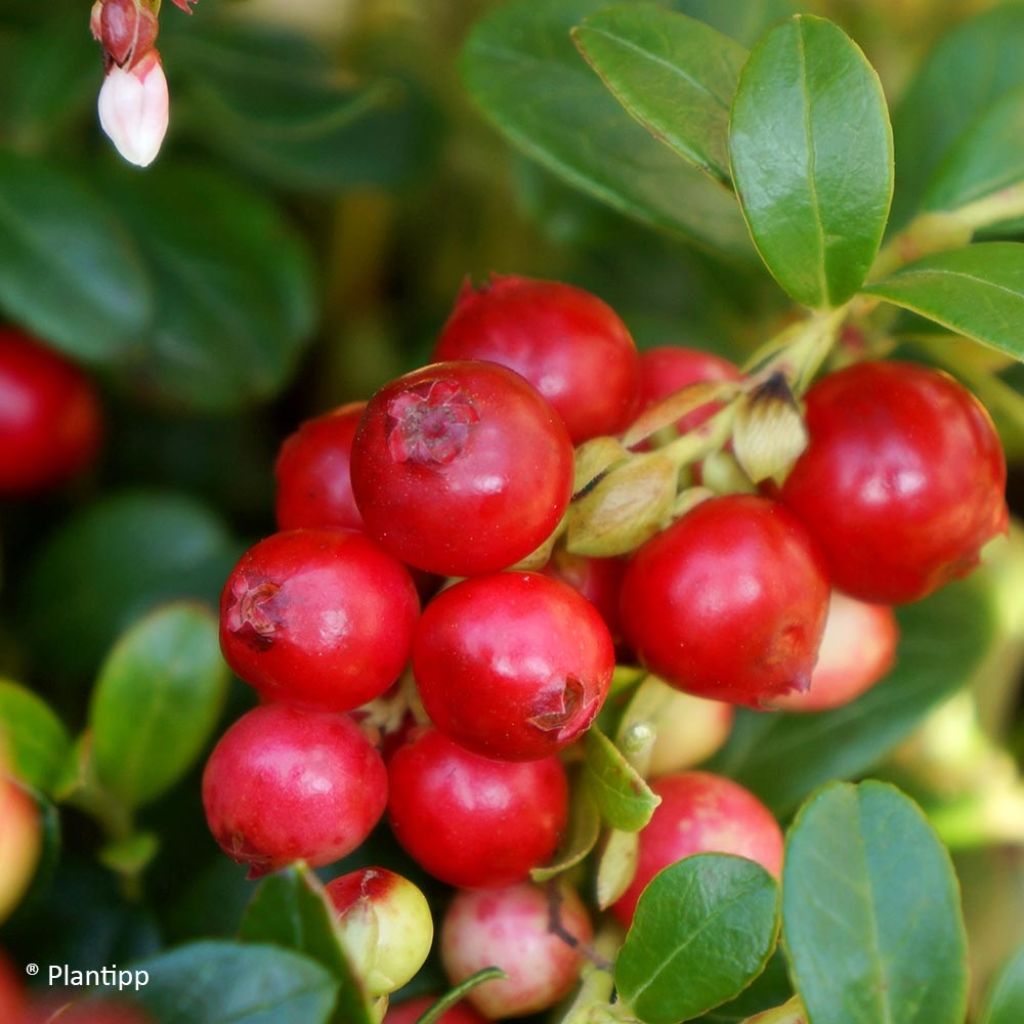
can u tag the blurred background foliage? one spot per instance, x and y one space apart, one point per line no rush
326 186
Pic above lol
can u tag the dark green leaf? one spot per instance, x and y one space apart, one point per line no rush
68 270
675 75
1006 1001
977 291
703 930
234 301
812 159
943 641
871 911
291 909
771 988
625 801
230 983
971 68
522 70
34 737
987 157
157 700
111 563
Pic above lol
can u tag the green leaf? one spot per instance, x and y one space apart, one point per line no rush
273 103
675 75
113 562
972 67
580 838
34 737
771 988
230 983
977 291
291 909
812 159
987 157
522 70
68 270
157 700
871 911
704 929
943 642
234 297
625 801
1006 1001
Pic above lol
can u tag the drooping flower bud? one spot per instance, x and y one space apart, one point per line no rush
134 109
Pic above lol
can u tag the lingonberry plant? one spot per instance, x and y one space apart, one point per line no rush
637 538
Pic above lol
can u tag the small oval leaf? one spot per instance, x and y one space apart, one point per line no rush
34 737
812 159
158 698
704 929
871 911
977 291
675 75
625 801
231 983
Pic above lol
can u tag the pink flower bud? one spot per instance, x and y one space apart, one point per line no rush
133 108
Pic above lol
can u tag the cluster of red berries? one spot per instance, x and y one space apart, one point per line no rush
463 469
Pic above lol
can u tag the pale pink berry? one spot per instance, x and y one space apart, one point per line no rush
133 108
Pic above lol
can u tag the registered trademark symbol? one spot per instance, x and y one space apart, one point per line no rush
32 969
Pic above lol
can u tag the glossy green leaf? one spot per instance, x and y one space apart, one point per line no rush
291 909
625 801
987 157
977 291
970 69
944 639
158 697
704 929
231 983
812 159
522 70
274 103
234 293
111 563
871 911
675 75
580 837
33 737
1005 1003
769 989
68 270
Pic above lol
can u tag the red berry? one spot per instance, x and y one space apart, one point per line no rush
513 666
664 371
50 420
322 618
567 343
284 784
857 650
903 481
474 822
411 1011
461 468
314 488
597 579
729 602
511 929
701 813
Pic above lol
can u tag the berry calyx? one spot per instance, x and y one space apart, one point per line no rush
567 343
50 419
513 666
903 481
461 468
729 602
470 821
385 926
314 484
512 928
321 618
286 784
701 813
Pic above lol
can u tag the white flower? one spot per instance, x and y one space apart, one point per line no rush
134 109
